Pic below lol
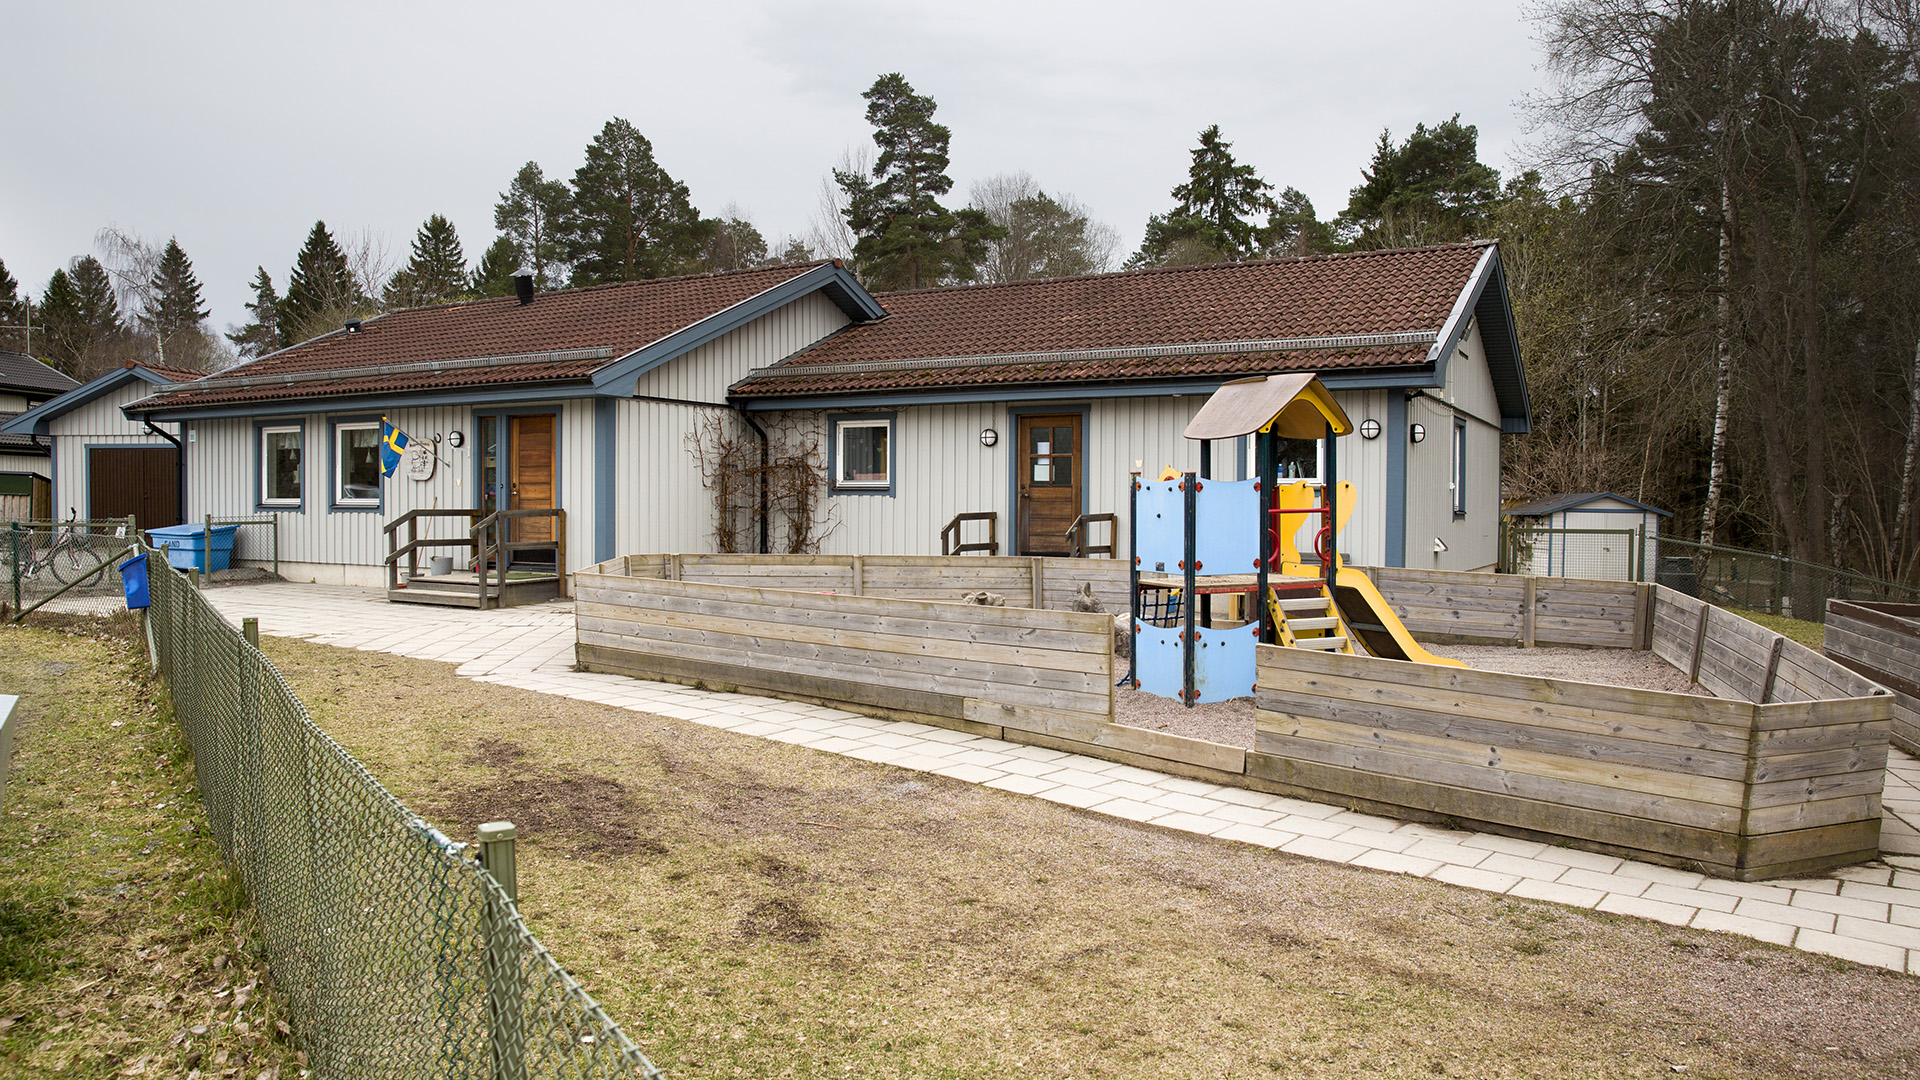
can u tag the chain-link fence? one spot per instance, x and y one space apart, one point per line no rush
1771 584
398 955
1599 554
71 567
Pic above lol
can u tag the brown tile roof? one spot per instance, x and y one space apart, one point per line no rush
174 374
588 328
1402 292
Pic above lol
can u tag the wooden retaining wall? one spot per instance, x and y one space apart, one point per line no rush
1729 787
1779 776
1882 642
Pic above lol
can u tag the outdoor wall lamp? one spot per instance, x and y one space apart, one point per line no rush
988 436
1369 428
456 440
1417 432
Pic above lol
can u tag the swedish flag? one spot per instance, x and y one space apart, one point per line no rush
393 443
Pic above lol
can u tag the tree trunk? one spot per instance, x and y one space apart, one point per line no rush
1723 365
1903 517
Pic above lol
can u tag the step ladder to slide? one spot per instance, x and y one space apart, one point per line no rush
1309 621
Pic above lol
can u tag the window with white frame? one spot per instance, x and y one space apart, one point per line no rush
1296 459
356 464
280 459
863 454
1459 467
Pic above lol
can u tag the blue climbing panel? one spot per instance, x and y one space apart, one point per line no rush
1223 663
1157 662
1160 531
1227 540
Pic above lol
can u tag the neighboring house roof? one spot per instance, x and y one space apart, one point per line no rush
1553 504
596 336
19 444
1375 312
38 420
21 372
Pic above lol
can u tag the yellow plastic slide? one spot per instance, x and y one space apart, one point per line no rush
1368 615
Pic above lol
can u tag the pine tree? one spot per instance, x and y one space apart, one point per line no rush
13 312
1430 189
80 316
533 212
493 276
320 287
1294 229
630 220
261 334
437 271
906 238
1210 222
176 304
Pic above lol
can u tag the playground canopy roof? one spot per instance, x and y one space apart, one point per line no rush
1298 406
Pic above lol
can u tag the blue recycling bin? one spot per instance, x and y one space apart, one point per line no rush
133 578
186 551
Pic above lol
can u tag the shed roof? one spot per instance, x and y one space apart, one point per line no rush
18 371
38 420
1553 504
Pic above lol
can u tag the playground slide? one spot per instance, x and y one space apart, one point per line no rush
1370 618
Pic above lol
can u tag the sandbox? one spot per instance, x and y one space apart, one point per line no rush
1779 774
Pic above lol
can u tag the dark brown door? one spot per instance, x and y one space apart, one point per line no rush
140 480
530 480
1048 482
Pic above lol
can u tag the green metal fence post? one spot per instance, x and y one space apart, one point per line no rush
206 552
506 1022
15 531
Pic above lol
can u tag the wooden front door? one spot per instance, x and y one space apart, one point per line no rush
530 476
1047 481
140 480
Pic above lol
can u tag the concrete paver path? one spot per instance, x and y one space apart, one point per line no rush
1868 914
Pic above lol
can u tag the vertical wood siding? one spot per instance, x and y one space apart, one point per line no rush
97 423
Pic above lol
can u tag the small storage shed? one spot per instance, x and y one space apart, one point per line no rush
1588 534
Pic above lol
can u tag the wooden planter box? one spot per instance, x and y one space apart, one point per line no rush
1882 643
1780 776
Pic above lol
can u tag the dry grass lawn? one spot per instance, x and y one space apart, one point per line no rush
748 908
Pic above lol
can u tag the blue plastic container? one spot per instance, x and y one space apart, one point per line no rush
133 578
185 550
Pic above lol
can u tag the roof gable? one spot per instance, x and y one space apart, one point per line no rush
1553 504
38 420
21 372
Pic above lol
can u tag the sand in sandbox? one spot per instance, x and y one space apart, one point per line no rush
1231 722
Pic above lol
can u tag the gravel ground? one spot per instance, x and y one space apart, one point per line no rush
1231 722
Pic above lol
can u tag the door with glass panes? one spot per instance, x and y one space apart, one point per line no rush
1047 483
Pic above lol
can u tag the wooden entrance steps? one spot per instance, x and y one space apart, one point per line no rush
463 589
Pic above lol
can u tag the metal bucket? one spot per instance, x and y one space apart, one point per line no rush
440 565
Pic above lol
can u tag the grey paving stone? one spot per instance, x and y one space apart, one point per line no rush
1777 933
1871 953
1557 892
1641 907
1792 916
1392 862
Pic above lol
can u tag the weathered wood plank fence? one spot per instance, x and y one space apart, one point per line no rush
1882 642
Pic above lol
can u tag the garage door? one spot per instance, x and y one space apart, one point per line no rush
140 480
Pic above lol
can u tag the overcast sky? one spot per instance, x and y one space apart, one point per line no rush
235 126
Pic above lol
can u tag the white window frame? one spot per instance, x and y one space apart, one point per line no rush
1319 462
1459 484
340 496
299 433
840 428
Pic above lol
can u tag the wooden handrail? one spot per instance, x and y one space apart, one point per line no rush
486 538
950 535
1076 535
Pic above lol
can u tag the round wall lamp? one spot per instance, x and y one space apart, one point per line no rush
1417 432
455 439
988 436
1369 428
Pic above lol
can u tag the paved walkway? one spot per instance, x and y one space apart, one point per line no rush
1869 914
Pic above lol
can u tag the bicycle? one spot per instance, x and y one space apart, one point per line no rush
76 556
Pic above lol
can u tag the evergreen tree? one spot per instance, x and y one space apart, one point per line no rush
437 272
1211 221
13 312
494 274
532 212
734 245
175 308
80 316
320 287
1294 229
905 237
261 333
1430 189
630 219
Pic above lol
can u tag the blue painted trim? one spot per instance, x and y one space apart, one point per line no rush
833 454
545 392
619 376
334 424
1014 413
605 421
1485 301
1412 378
260 505
1396 493
34 420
